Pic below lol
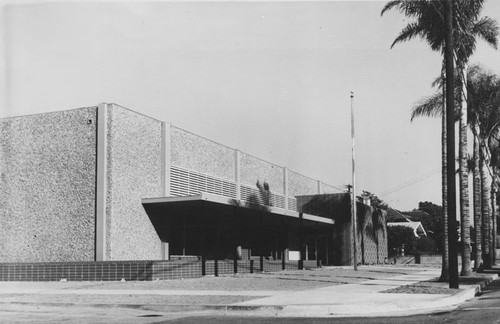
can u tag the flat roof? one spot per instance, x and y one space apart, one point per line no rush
225 201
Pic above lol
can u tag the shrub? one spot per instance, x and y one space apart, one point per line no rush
426 245
398 236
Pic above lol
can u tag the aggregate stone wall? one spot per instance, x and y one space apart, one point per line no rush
299 184
47 187
200 154
134 172
371 227
367 235
372 234
327 189
379 221
254 169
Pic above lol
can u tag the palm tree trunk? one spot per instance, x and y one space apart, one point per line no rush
477 204
494 223
450 147
444 187
485 199
464 179
494 190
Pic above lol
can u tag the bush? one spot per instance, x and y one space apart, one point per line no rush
398 236
426 245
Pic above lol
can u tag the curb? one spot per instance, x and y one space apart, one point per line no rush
325 310
353 310
151 307
447 303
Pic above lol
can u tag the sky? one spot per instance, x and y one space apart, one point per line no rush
272 79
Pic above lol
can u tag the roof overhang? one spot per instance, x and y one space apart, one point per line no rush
417 227
186 202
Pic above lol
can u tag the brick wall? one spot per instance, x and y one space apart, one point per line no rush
134 270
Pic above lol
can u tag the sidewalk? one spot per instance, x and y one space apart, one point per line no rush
364 299
327 292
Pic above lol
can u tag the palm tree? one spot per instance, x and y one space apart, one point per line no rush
429 25
476 189
427 14
483 96
484 102
435 106
472 27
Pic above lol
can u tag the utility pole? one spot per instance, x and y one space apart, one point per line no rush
353 197
450 129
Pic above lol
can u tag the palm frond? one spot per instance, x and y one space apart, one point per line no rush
484 100
411 30
438 82
431 106
391 4
487 29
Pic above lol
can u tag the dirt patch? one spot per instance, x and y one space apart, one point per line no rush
292 280
424 287
439 287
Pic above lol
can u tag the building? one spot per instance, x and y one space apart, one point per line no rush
106 183
396 218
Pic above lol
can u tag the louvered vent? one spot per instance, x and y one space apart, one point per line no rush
292 204
185 182
253 195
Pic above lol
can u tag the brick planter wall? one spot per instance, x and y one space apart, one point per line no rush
133 270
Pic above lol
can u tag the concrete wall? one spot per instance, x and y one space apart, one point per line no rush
49 182
254 169
134 171
299 184
327 189
47 186
196 153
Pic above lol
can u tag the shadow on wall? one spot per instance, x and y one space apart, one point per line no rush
372 234
260 202
371 229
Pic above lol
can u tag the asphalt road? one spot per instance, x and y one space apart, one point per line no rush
483 309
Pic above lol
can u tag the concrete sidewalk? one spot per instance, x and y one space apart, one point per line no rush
364 298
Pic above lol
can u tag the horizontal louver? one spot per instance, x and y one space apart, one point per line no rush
185 182
292 204
253 195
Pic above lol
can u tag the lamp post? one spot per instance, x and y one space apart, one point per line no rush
353 197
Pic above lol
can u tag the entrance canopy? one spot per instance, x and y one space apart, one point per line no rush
204 220
159 208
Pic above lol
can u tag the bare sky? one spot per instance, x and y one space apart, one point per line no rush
272 79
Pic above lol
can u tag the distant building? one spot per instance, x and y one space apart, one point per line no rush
396 218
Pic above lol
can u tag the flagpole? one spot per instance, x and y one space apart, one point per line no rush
353 198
